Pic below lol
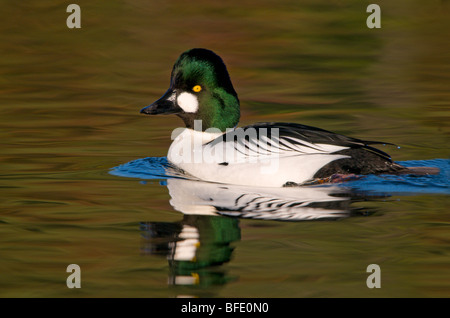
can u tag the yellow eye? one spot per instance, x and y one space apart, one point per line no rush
197 88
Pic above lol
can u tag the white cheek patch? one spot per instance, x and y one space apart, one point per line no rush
188 102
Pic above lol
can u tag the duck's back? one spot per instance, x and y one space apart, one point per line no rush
276 154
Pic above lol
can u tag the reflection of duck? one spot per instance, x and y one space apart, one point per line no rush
193 247
284 204
204 237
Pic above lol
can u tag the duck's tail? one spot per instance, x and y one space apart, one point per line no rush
419 171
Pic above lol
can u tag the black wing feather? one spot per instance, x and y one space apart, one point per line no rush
296 132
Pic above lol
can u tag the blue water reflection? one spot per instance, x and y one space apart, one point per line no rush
203 238
160 169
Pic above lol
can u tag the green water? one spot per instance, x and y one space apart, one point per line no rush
70 101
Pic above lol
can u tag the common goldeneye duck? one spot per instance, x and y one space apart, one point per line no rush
212 148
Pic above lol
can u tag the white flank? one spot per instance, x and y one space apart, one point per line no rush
270 165
188 102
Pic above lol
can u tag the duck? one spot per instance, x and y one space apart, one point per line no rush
211 147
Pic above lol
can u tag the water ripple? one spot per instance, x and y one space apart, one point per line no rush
159 168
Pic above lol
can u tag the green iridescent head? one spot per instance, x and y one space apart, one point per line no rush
200 89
